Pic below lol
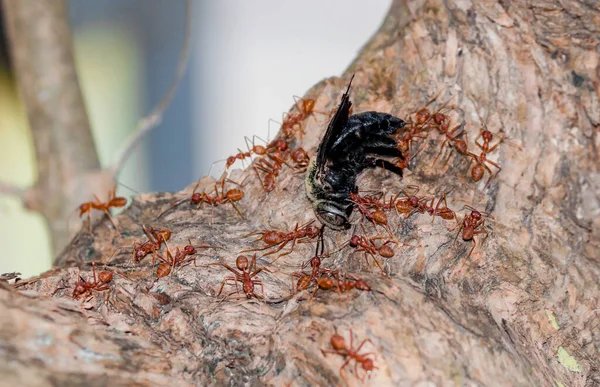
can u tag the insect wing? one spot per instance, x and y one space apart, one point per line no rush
335 128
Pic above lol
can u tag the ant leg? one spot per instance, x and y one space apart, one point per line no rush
262 288
439 153
467 258
225 280
462 224
238 211
107 212
94 271
490 171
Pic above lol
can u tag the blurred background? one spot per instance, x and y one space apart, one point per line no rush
247 61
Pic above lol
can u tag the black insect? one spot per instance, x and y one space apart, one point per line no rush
351 144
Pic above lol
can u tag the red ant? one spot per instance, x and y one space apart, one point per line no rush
480 166
360 243
343 285
377 216
271 170
301 159
291 120
155 239
244 275
181 258
471 225
231 196
453 139
411 203
339 347
273 238
99 284
113 201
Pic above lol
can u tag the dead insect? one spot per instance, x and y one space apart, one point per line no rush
352 143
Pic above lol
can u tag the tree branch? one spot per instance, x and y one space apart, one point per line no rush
153 119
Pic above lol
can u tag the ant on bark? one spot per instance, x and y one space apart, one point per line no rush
411 204
155 240
243 274
230 196
471 225
342 285
293 120
273 238
340 348
181 258
376 216
480 166
452 138
99 283
113 201
361 243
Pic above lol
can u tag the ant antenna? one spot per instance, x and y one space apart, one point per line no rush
128 187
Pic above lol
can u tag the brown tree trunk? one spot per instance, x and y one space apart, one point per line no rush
522 311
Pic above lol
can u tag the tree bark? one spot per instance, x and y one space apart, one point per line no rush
522 311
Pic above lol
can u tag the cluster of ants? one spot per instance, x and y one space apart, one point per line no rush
374 208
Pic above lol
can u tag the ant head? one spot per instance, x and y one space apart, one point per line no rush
439 118
189 249
139 254
312 231
105 276
242 262
338 342
79 289
487 135
414 201
361 285
315 262
196 198
354 240
368 365
476 215
85 207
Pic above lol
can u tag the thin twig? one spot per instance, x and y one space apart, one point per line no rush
153 119
8 189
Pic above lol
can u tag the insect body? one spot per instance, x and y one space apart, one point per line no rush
351 144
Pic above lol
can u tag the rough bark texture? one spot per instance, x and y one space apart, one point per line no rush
523 311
